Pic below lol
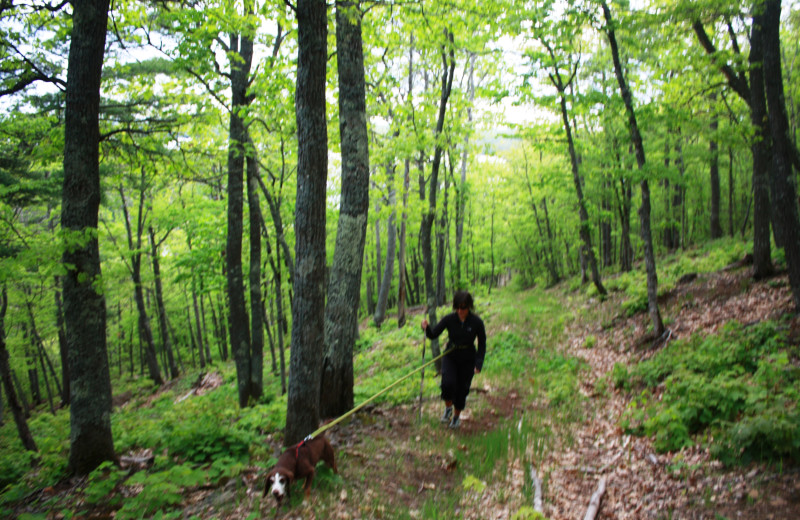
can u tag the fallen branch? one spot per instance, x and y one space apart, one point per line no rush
537 490
594 503
616 457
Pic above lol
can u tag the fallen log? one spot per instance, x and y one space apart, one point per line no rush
537 490
594 502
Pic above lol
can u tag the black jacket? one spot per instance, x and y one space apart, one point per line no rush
461 334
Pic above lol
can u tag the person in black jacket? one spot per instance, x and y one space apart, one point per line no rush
464 361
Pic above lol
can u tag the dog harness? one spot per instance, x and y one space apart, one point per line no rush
297 448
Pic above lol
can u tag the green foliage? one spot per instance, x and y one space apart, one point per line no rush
199 429
509 353
528 513
559 377
159 491
223 469
21 470
472 483
13 466
620 376
101 482
738 385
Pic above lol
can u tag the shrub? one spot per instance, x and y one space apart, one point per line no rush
738 385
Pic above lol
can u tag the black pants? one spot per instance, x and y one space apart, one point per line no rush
458 367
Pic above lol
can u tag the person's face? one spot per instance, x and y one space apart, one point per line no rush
462 311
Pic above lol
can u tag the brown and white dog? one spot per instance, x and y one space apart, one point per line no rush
298 462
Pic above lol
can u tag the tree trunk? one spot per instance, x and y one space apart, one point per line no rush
754 95
256 299
388 270
761 151
43 357
713 150
145 332
731 191
62 344
5 373
584 231
403 284
441 242
238 322
644 210
91 440
461 201
161 311
302 413
344 286
401 255
448 71
784 199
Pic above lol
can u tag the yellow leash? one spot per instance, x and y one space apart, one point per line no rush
331 424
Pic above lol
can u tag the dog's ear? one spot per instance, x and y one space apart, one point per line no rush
290 475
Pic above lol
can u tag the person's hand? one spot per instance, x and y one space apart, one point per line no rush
477 370
424 324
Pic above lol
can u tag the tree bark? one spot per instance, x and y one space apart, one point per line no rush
344 285
644 210
784 194
584 231
145 331
303 411
91 440
753 94
241 46
388 270
161 311
5 373
256 298
760 147
402 291
448 71
461 201
62 343
713 150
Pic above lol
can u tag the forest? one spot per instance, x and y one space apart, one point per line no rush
221 224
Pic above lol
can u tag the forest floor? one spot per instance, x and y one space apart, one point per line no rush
392 463
390 472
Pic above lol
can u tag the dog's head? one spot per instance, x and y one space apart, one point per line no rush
277 485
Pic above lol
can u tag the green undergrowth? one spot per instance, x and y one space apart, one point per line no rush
735 392
711 257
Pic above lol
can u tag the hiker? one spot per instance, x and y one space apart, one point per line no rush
464 361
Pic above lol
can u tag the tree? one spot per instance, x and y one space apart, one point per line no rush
644 209
302 411
344 287
8 385
784 198
388 269
753 94
256 351
241 49
135 249
161 311
561 86
91 441
448 71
